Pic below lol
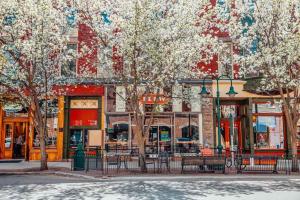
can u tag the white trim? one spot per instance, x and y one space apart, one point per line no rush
120 122
185 125
200 129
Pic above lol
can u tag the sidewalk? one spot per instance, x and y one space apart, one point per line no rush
26 166
64 169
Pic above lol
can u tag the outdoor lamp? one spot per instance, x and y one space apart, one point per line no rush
231 92
204 92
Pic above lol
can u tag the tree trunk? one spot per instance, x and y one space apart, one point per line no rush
295 164
43 154
143 165
44 165
292 133
40 126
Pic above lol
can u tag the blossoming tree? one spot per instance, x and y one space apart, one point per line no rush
267 35
147 46
33 39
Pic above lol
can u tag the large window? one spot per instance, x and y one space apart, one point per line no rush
68 69
268 132
52 124
268 125
119 133
189 133
225 65
78 136
163 132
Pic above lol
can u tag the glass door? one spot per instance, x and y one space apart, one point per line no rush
78 136
164 138
161 133
8 140
8 136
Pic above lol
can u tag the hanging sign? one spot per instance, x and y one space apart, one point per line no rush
159 99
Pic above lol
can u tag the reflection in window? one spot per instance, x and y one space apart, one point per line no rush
119 133
51 137
68 69
8 135
76 137
267 107
163 132
268 132
189 133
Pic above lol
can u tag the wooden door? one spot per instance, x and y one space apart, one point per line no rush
8 140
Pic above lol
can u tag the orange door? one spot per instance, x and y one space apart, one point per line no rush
8 140
233 141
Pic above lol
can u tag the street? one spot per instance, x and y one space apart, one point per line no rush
207 187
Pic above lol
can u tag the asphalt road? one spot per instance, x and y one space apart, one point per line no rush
212 187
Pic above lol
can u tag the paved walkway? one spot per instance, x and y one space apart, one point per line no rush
210 188
32 165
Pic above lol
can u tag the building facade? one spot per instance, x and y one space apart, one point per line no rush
97 115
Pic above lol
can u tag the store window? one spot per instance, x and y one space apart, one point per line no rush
189 133
51 138
268 132
68 69
52 124
8 135
163 132
78 136
119 133
267 107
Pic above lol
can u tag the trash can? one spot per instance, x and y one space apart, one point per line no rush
79 158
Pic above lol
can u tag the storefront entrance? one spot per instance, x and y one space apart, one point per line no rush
232 141
16 140
161 133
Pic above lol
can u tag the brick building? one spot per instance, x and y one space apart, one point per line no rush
93 115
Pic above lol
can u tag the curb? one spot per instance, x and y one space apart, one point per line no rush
155 178
49 173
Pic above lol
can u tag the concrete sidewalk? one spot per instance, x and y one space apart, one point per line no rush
32 166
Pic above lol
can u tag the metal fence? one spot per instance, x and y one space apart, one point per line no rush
130 162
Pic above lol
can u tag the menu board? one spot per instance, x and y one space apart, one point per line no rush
164 136
95 137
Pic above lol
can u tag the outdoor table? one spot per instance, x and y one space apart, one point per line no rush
123 158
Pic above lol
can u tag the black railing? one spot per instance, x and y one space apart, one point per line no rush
129 161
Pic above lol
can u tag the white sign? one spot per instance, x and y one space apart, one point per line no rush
176 98
120 99
84 103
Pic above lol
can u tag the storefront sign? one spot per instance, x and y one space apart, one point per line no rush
84 103
82 117
159 99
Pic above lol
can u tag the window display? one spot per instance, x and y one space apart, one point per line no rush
268 132
8 135
119 133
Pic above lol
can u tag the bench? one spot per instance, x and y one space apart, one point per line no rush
206 164
258 164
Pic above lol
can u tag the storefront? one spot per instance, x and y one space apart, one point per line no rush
176 126
14 133
269 129
257 121
83 123
19 138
